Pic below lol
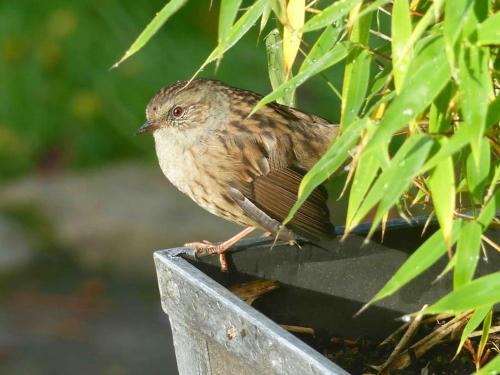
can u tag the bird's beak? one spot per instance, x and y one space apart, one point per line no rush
147 127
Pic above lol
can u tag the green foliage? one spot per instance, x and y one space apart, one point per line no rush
163 15
432 81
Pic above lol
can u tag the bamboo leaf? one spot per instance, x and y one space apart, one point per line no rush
474 91
488 32
279 8
479 292
485 334
240 28
472 324
401 32
338 53
324 43
370 8
394 179
447 148
489 210
357 71
393 185
354 93
441 184
455 15
427 75
473 18
467 254
477 175
291 35
493 116
366 171
227 14
332 160
439 115
265 17
152 28
330 14
424 257
491 367
274 47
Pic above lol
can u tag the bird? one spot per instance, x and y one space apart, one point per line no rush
244 167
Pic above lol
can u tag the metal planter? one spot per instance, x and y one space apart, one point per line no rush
321 286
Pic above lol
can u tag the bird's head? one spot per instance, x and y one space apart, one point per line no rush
181 106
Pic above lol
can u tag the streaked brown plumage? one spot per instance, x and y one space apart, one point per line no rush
206 144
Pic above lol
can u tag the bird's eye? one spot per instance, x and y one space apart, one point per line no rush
177 111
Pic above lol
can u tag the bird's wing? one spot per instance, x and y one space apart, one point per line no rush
273 157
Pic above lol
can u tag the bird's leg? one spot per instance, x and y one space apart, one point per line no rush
207 247
260 217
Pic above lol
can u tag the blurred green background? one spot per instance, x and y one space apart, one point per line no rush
82 202
61 106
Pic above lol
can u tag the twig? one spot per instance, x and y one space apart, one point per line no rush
299 329
412 328
428 342
479 333
490 242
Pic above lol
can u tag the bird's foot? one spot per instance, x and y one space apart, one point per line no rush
207 247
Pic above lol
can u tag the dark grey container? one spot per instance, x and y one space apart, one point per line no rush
322 286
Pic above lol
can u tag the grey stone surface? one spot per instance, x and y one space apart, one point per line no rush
16 248
116 216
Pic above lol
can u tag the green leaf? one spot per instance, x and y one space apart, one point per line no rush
474 91
370 8
325 42
427 75
276 69
489 210
366 171
354 90
233 35
330 14
227 14
401 32
493 117
477 175
472 324
474 18
441 184
485 334
439 116
424 257
467 254
394 179
491 368
479 292
292 37
357 72
161 17
455 15
279 8
332 160
488 32
265 17
431 17
330 58
448 147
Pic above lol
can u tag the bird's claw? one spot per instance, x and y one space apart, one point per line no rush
207 247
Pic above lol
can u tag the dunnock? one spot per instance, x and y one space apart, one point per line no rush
246 169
